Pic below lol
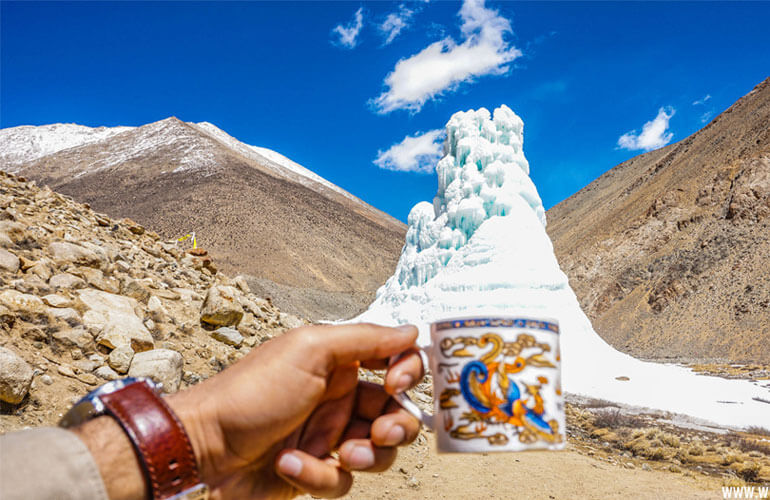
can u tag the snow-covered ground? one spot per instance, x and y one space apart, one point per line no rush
481 249
27 143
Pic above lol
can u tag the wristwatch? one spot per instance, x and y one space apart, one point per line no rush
159 440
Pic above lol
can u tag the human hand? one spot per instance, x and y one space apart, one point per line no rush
292 416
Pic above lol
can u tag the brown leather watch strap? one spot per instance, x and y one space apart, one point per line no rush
158 438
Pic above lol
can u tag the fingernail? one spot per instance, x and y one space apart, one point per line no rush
290 465
362 457
406 328
395 436
404 383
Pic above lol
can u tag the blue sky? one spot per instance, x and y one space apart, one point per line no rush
319 82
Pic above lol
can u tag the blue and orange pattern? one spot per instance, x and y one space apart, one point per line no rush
492 386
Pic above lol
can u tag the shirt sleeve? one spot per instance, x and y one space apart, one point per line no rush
48 463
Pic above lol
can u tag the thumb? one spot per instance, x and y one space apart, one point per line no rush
331 346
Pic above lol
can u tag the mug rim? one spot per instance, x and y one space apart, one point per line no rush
494 317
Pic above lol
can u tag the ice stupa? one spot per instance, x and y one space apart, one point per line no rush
481 248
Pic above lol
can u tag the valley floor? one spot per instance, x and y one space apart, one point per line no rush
421 473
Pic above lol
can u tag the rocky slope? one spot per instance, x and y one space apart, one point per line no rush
69 275
300 236
85 298
668 252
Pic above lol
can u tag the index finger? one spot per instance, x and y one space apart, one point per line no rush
329 346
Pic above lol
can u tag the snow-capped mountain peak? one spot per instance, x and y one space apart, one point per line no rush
24 144
186 147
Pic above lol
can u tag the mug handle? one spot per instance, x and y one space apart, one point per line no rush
406 402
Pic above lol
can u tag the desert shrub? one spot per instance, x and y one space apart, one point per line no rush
652 433
669 439
749 471
760 431
696 448
749 445
655 454
615 418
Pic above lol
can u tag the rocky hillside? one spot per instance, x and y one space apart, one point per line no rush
300 237
668 252
85 298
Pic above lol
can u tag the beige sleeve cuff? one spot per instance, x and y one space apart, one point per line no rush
48 463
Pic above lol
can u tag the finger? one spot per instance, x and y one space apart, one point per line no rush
320 478
405 373
341 381
394 429
357 429
325 347
370 400
362 455
326 425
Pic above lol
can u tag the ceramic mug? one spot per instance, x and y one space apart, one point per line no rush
498 385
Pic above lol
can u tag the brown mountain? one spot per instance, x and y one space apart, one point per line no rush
669 252
316 249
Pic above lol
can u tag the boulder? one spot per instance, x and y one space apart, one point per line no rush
7 317
114 316
66 314
11 233
15 377
41 269
120 358
17 301
125 330
162 365
221 307
8 261
156 309
73 337
241 283
289 320
66 281
106 373
96 279
228 336
64 252
136 290
54 300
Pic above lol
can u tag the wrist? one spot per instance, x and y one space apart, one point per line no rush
199 420
114 455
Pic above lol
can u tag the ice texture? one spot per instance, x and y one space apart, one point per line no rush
481 249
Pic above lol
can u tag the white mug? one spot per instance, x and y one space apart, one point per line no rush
496 385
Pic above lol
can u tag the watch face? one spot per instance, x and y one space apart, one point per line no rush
90 405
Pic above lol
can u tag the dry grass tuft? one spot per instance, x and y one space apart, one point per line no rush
730 459
696 448
614 419
669 439
750 471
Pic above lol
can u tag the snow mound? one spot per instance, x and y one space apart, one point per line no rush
481 249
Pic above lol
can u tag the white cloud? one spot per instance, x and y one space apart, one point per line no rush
444 65
417 153
347 36
705 117
395 22
654 133
701 101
